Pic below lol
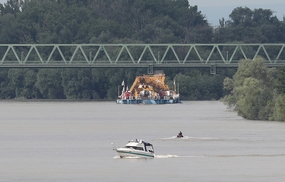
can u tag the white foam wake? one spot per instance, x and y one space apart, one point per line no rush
173 156
174 138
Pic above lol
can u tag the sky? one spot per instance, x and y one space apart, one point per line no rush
214 10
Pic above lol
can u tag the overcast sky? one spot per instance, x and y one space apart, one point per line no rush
217 9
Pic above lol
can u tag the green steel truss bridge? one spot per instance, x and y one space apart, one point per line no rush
137 55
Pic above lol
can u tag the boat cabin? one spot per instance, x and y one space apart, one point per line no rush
140 145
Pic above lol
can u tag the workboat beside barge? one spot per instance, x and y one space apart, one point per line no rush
136 148
149 89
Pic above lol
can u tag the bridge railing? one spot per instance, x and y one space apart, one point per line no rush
137 55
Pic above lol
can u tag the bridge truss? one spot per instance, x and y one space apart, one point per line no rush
137 55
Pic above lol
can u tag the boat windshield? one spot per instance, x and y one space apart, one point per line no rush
149 148
134 147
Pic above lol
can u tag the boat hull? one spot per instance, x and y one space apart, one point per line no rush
124 152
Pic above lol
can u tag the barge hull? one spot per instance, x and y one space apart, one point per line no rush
148 101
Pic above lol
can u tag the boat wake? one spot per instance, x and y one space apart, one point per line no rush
173 156
189 138
167 156
158 157
174 138
247 155
218 156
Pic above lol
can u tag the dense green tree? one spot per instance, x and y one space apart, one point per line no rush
16 77
30 91
250 26
7 91
281 80
252 90
23 82
79 84
9 32
64 22
202 86
279 108
229 98
49 83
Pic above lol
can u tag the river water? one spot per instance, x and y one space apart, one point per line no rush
71 141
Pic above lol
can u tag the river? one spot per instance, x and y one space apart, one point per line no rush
71 141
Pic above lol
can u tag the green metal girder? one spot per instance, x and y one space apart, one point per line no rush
138 55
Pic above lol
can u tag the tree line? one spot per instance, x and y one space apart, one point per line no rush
99 83
131 21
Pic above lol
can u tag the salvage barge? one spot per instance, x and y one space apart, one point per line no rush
149 89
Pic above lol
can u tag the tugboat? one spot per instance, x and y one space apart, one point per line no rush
149 89
136 148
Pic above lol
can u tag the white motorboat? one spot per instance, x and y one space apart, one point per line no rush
136 148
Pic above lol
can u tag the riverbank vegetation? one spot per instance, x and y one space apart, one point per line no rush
142 21
257 92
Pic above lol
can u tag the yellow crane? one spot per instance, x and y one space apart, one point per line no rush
153 83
